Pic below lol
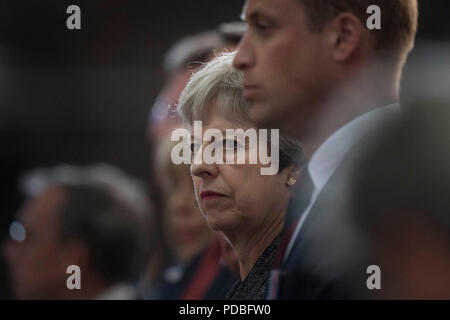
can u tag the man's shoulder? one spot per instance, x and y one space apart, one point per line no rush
328 248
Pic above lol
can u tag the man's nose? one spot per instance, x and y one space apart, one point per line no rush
244 57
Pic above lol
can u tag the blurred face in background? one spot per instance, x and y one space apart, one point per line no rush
285 65
163 122
187 230
38 265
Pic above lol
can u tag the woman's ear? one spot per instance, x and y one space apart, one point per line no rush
293 172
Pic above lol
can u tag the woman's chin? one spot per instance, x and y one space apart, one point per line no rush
215 225
220 224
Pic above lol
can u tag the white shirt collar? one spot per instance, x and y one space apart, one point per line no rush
331 153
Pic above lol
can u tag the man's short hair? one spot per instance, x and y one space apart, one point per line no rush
398 20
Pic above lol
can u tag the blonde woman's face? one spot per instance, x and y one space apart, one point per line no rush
236 197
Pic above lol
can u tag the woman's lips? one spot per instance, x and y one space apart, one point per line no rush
207 195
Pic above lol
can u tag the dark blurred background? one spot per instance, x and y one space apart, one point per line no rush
83 96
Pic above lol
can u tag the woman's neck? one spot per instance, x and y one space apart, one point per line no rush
249 247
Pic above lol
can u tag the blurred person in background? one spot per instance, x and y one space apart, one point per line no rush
237 201
161 122
93 217
315 70
186 54
195 269
181 59
184 227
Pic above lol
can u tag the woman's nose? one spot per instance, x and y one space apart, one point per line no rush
204 170
201 169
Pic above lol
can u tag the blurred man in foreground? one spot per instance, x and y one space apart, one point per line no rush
399 204
399 188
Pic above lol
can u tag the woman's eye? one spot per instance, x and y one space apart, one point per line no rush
230 144
194 148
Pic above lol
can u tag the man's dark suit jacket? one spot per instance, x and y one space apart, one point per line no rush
329 258
395 166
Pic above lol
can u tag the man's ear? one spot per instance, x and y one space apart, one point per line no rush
346 35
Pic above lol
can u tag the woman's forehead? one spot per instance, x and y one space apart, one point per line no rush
218 122
225 114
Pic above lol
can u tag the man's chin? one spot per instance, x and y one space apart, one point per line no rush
266 117
261 115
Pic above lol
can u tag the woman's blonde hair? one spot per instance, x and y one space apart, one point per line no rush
215 85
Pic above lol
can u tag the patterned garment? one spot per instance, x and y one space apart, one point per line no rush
254 286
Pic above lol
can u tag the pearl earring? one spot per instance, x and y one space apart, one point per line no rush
291 181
